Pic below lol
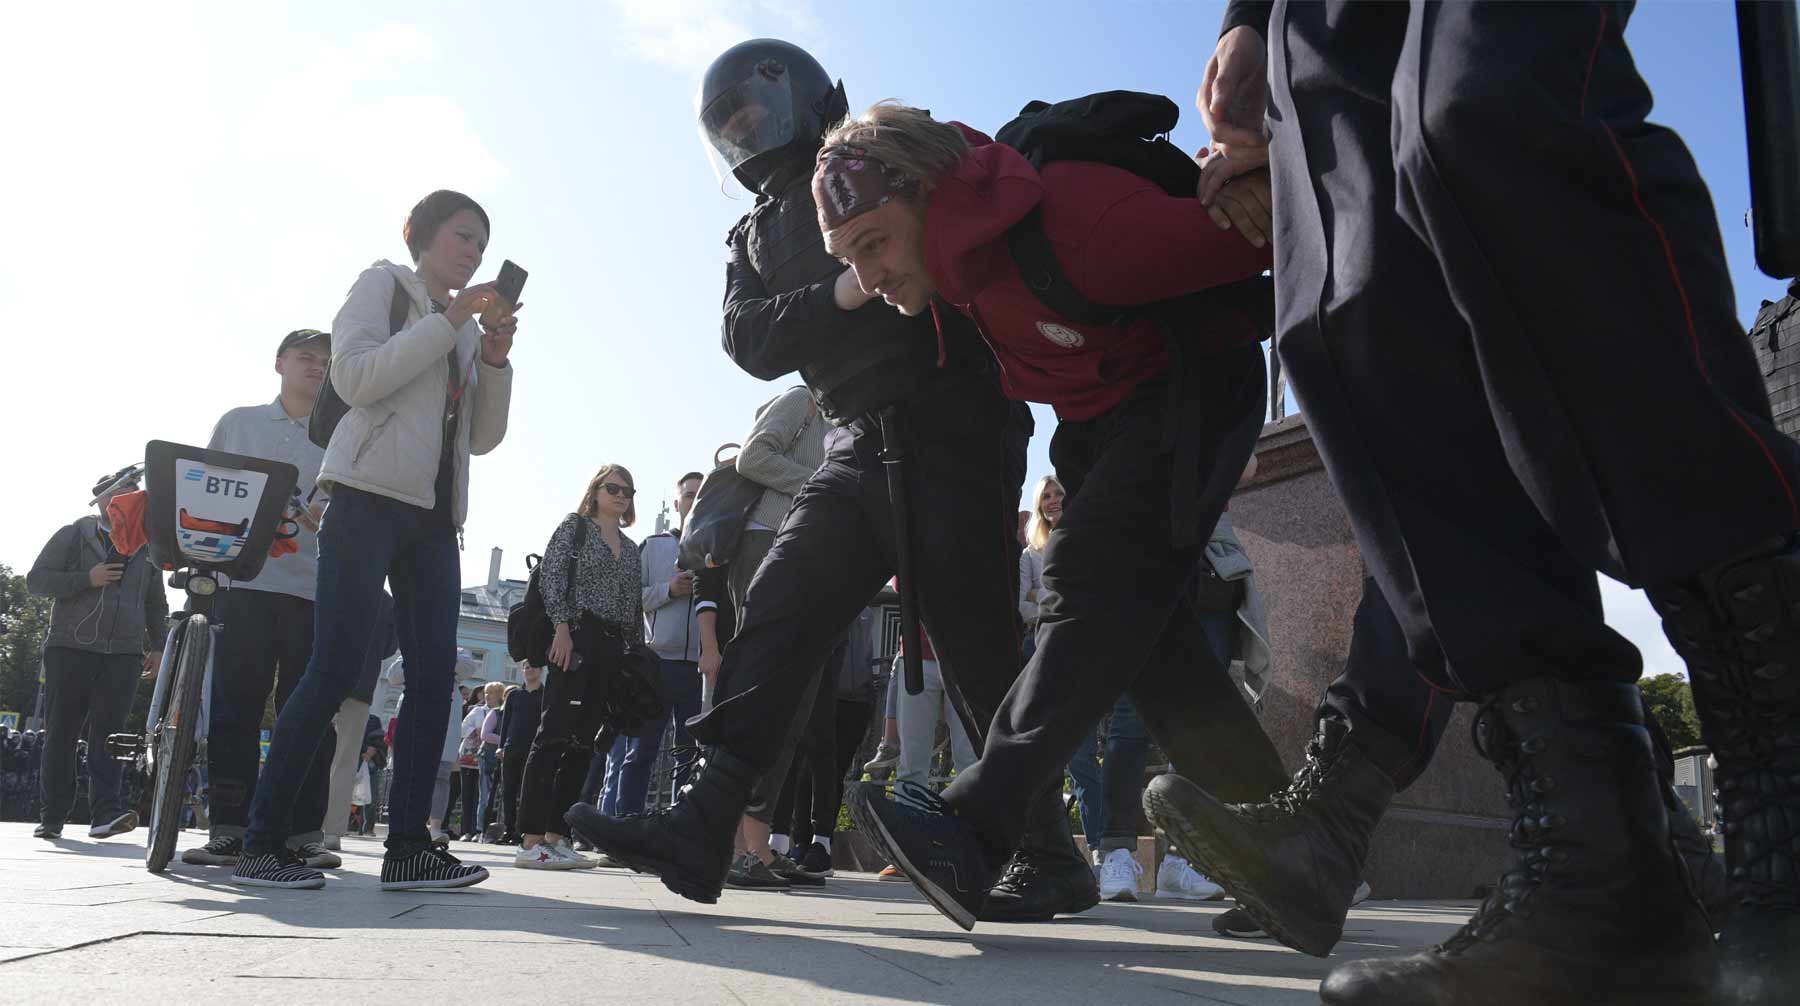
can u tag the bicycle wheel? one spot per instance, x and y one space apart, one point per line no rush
172 741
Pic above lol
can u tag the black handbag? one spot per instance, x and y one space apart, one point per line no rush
528 629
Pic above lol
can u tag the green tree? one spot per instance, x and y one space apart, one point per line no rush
23 621
1671 701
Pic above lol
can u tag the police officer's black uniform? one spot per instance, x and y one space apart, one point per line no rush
965 448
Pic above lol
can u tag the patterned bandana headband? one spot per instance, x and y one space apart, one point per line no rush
849 183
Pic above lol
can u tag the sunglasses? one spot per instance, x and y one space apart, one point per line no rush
616 489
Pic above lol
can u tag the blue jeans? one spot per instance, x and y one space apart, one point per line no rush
365 540
603 777
681 694
1108 790
490 774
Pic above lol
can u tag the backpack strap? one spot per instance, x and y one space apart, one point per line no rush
398 309
1044 275
581 531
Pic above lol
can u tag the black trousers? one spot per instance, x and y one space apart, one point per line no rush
265 643
471 794
1118 609
1503 303
96 689
564 746
1393 712
512 776
814 787
836 549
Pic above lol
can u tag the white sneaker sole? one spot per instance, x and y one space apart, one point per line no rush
285 885
551 866
472 879
1218 895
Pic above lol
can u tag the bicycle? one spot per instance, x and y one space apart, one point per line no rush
209 516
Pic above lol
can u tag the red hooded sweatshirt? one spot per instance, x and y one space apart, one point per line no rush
1120 239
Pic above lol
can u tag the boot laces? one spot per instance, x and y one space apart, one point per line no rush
1533 821
1019 873
1303 788
1752 729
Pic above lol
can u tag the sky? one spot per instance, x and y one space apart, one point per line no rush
188 182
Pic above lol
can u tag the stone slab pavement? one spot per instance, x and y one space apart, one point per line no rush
82 921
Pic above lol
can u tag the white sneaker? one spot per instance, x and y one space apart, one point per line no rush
1177 878
566 849
542 856
1119 873
117 826
1361 895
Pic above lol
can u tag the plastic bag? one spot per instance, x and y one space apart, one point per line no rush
361 794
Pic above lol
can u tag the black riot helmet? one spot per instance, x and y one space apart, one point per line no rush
763 104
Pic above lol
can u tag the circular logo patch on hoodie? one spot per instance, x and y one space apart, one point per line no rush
1062 335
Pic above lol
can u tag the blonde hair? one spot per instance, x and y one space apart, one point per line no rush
908 140
494 693
1037 529
586 509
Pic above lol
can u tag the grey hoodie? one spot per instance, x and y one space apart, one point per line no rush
128 617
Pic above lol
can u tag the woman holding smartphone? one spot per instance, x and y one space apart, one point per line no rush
424 395
593 592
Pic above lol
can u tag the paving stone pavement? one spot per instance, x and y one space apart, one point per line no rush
82 921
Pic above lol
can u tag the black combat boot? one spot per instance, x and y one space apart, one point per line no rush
1047 875
1594 908
688 845
1293 862
1738 627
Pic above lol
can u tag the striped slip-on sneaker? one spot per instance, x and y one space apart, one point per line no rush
281 868
428 868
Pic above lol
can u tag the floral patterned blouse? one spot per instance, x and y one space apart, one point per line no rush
610 586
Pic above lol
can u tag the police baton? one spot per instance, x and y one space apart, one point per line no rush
893 459
1769 54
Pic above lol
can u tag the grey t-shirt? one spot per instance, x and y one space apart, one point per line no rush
267 431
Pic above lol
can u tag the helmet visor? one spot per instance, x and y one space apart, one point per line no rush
753 116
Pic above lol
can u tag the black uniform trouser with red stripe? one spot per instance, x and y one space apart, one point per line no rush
1504 307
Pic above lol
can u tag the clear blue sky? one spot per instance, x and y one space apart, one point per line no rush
188 182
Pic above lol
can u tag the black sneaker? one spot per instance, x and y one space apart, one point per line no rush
749 872
816 860
1238 924
125 822
220 850
47 830
280 868
428 868
939 852
794 873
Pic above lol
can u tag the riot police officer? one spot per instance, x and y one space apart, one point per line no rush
764 106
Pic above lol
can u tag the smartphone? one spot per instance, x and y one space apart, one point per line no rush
511 282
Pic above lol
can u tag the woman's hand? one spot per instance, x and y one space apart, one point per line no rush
498 323
562 647
469 302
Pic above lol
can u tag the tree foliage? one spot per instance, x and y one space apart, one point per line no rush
1671 701
23 621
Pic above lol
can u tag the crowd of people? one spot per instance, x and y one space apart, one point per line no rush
926 282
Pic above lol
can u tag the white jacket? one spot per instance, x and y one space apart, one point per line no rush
389 441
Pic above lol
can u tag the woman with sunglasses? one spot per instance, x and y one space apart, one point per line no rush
592 585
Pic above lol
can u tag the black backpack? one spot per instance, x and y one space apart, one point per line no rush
329 408
721 510
1776 338
1128 130
528 628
